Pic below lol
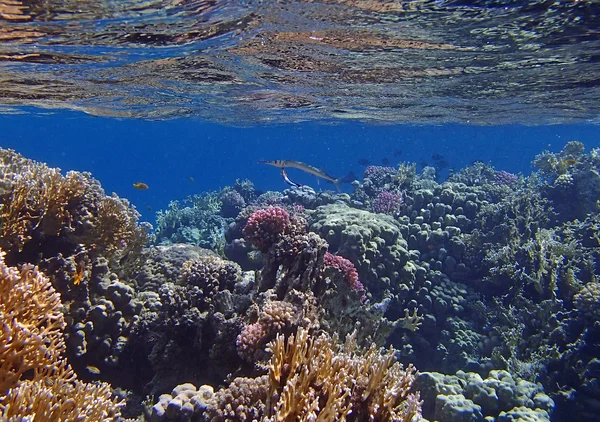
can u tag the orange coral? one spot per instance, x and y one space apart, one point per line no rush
32 343
38 205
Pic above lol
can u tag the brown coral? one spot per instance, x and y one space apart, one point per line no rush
32 344
274 318
211 273
44 214
32 325
60 400
313 378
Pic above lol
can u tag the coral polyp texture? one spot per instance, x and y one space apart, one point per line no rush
265 227
35 379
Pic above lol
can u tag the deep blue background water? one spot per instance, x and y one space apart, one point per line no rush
166 154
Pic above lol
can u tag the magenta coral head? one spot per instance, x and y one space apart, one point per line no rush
265 227
387 202
347 267
502 177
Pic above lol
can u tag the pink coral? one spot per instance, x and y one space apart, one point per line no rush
346 267
274 317
266 226
387 202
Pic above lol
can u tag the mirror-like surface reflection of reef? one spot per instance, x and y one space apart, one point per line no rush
255 61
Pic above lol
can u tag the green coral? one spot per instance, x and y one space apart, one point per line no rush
198 223
373 242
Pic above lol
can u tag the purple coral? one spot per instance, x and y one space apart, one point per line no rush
502 177
347 267
387 202
266 226
378 172
232 202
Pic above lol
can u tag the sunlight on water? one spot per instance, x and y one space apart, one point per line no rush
481 62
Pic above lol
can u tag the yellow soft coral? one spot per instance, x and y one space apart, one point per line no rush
32 343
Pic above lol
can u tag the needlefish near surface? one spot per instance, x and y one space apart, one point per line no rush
283 164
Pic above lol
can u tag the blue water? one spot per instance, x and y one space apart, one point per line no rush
167 155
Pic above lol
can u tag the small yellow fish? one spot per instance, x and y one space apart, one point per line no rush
93 370
79 275
140 186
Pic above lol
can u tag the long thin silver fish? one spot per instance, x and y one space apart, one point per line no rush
283 164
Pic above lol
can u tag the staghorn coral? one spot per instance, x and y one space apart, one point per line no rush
313 378
33 344
60 400
32 325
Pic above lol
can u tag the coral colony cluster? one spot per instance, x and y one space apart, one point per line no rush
244 305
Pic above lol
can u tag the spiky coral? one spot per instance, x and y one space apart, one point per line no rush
32 325
312 378
32 343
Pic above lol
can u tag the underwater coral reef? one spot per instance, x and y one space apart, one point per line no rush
471 299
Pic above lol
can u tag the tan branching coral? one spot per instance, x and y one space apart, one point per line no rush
61 214
312 378
31 322
31 344
60 400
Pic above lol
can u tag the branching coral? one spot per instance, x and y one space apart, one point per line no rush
313 378
45 213
60 400
32 344
32 325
